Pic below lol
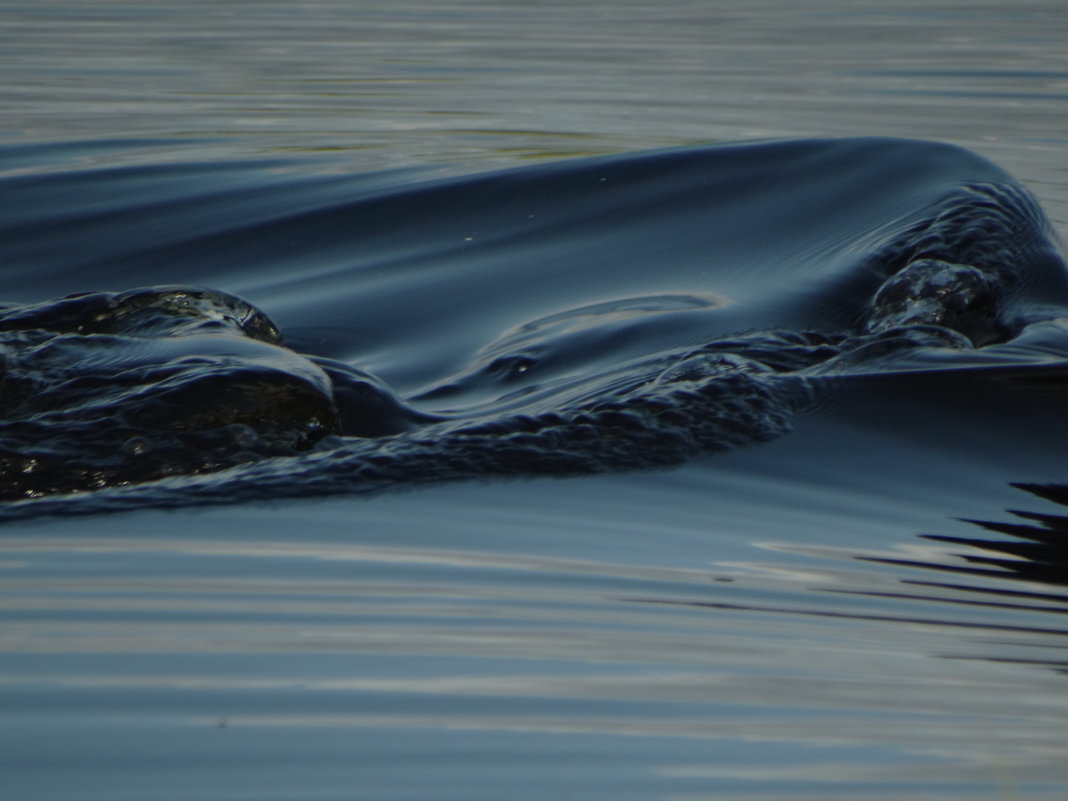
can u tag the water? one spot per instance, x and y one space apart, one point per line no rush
766 623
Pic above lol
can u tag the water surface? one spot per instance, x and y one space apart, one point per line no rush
770 622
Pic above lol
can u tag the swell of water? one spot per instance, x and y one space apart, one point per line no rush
651 353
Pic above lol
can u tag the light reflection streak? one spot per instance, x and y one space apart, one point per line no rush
712 692
950 750
354 553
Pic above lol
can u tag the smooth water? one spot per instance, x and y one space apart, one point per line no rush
774 621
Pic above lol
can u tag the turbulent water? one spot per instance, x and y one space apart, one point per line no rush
453 401
115 389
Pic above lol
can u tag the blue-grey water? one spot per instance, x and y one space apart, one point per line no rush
404 186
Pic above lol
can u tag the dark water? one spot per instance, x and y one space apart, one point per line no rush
863 601
503 333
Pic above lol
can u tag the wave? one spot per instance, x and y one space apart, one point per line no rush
577 317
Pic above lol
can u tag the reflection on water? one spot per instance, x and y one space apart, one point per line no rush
1041 556
764 673
1034 558
481 82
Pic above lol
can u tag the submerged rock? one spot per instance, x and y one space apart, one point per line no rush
115 388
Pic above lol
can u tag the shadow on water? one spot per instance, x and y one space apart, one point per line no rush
1033 555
